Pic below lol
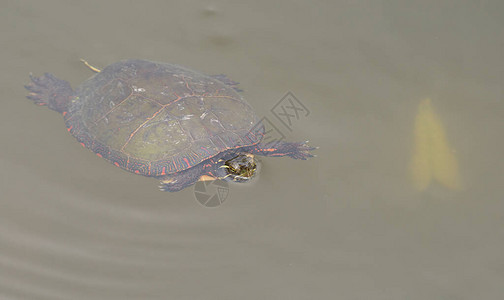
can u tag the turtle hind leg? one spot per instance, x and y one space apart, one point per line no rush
227 81
182 179
51 91
292 150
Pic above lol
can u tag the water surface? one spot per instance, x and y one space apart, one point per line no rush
348 224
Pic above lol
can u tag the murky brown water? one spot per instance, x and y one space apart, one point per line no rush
348 224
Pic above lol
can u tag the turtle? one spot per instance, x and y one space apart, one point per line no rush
165 121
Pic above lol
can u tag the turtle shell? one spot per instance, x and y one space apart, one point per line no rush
156 119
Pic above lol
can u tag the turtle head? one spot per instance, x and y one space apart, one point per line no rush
240 168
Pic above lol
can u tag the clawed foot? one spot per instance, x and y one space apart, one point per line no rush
172 185
181 180
38 88
299 150
49 90
226 80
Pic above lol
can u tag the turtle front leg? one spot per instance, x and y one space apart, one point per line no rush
181 180
293 150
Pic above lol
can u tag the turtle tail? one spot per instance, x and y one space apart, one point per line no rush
51 91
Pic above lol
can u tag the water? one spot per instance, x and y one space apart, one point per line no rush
347 224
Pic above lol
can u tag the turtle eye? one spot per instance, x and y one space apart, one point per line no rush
241 168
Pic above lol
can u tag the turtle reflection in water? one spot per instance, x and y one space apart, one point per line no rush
163 120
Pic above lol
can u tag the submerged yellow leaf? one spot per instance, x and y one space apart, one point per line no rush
433 158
